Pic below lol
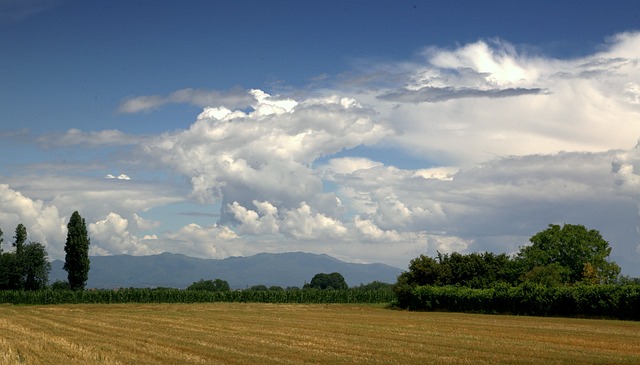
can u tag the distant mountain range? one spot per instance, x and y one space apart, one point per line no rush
179 271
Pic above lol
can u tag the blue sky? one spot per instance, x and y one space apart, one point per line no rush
371 131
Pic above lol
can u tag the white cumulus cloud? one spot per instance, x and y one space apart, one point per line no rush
268 152
119 177
498 141
111 236
303 223
487 100
207 242
43 221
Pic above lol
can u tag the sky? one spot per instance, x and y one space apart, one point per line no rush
371 131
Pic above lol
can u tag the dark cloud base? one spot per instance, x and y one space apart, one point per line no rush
438 94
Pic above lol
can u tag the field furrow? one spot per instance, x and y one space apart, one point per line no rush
240 333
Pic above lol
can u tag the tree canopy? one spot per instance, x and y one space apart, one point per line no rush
576 253
476 270
556 256
35 266
334 280
210 285
20 237
25 268
76 261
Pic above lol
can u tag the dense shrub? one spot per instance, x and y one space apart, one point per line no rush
210 285
601 301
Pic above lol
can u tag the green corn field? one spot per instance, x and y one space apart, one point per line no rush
307 296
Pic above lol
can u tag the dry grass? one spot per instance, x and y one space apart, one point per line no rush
234 333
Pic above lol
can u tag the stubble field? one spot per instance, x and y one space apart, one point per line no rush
242 333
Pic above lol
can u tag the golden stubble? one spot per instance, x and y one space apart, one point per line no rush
242 333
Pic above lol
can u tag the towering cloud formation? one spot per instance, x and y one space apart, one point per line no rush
266 154
473 148
487 100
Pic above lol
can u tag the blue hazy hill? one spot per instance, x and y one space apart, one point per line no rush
179 271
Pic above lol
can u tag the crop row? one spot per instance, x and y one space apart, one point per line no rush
193 296
610 301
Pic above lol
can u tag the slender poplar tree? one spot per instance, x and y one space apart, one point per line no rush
76 261
1 240
20 237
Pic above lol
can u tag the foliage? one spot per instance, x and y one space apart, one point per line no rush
423 270
574 248
35 266
563 272
476 270
558 256
549 275
264 287
77 252
210 285
323 281
10 272
20 237
25 268
308 296
605 300
1 239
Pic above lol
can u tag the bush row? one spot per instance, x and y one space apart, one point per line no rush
194 296
606 301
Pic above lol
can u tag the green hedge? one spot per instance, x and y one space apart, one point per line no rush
607 301
194 296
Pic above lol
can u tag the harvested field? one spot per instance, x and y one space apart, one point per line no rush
242 333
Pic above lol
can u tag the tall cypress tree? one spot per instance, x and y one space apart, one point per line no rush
1 240
76 261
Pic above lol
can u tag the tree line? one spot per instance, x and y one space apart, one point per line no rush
564 272
320 281
26 266
565 255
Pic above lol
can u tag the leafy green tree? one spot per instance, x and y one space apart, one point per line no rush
424 270
259 288
9 269
60 285
550 275
16 267
210 285
573 248
76 261
476 270
20 237
27 267
334 280
34 266
10 272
